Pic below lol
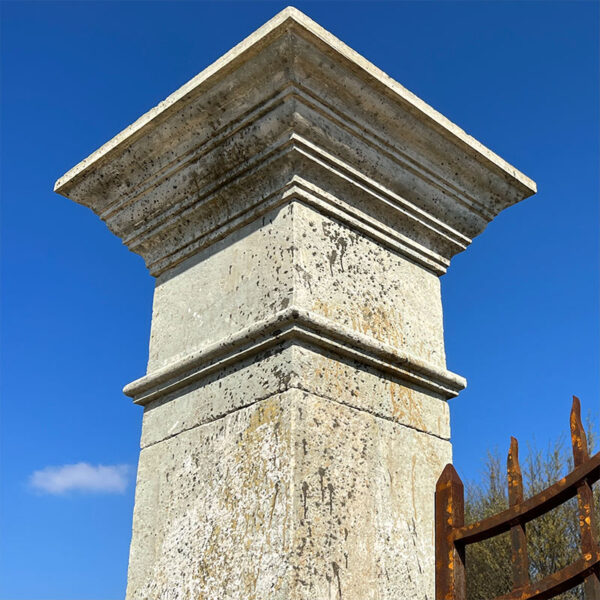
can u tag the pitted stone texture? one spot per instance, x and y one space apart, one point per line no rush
350 278
334 503
295 256
240 280
212 512
366 517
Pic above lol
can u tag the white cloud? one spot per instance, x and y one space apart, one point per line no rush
81 477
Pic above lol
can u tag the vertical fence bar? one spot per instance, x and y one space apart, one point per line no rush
585 499
518 536
449 558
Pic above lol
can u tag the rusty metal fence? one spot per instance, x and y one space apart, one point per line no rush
452 535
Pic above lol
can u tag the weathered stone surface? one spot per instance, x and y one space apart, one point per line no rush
297 207
296 496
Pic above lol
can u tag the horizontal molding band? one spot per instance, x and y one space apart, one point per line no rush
295 325
406 160
343 170
218 138
287 143
294 143
306 193
326 204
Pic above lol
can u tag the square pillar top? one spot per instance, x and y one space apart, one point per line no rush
284 111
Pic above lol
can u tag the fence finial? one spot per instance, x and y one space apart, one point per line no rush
519 558
449 557
585 499
578 437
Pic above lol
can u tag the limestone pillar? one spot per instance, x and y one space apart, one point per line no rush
297 207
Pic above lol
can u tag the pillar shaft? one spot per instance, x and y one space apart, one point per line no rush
297 207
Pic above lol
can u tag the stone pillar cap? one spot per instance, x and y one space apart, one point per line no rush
170 183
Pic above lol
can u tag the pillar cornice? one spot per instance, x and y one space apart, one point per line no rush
287 109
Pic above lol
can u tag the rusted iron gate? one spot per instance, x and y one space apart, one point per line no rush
452 535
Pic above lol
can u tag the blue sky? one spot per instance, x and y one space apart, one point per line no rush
521 304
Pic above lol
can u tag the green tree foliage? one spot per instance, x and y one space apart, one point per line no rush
552 540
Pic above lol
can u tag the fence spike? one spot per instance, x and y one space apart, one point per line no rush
578 437
518 535
585 500
449 557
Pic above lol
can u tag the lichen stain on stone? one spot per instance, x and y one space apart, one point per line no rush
366 318
305 499
336 573
405 407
